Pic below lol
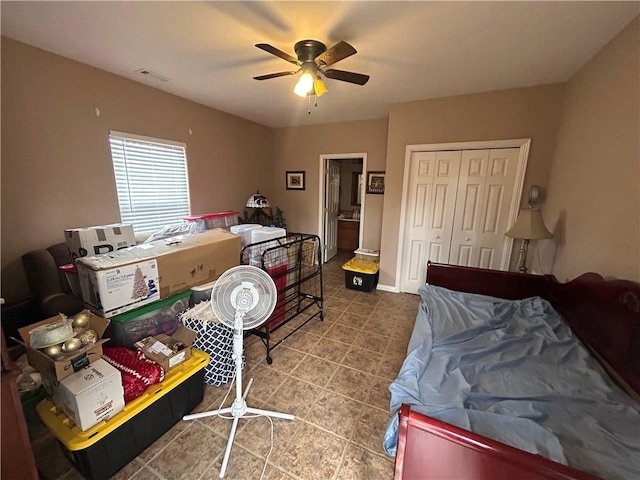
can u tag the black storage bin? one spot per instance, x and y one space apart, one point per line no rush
98 455
360 275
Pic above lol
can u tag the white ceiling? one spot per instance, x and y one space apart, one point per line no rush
411 50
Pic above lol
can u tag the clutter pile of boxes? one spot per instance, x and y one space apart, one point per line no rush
134 294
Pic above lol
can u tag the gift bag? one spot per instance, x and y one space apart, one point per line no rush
214 338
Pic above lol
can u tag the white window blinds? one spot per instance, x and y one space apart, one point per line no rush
151 178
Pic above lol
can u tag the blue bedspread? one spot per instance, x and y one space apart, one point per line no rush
513 371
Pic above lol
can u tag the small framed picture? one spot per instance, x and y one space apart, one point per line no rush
375 182
295 180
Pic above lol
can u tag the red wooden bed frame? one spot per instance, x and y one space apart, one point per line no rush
604 314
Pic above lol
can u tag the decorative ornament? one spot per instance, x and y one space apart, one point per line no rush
54 351
81 319
71 345
89 337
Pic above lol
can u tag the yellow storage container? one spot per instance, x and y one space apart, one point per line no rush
360 274
101 451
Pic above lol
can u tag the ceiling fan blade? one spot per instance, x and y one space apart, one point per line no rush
278 53
274 75
339 51
351 77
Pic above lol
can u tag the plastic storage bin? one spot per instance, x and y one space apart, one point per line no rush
201 293
368 256
152 319
207 221
244 230
360 275
106 448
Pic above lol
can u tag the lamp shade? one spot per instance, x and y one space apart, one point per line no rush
529 226
257 200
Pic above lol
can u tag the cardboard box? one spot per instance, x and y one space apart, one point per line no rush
83 242
57 370
160 348
111 283
91 395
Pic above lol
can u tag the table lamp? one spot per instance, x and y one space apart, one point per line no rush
529 226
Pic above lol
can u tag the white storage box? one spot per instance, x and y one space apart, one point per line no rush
267 233
366 255
89 241
201 293
91 395
244 230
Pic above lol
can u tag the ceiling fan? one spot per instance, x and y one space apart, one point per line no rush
312 58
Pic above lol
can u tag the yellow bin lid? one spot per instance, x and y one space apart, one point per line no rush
75 439
357 265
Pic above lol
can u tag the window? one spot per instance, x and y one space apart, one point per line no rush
151 178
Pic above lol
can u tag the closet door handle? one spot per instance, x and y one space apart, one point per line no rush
437 237
467 239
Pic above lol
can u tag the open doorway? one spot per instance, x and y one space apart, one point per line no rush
341 205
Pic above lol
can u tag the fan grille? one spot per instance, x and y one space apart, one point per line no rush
248 287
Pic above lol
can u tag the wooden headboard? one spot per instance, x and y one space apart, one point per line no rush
605 314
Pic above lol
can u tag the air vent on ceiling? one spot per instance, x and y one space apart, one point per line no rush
153 75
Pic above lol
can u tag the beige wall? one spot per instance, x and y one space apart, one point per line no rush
593 204
56 164
299 148
532 112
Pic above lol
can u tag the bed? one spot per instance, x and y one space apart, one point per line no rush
509 375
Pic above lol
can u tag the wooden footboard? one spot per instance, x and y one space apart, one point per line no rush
431 449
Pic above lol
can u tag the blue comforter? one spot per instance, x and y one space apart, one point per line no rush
513 371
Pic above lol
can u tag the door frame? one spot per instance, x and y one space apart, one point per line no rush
524 144
322 199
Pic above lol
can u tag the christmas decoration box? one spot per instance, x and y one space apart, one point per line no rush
169 351
83 242
119 281
91 395
55 370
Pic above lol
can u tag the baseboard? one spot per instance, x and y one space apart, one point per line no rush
388 288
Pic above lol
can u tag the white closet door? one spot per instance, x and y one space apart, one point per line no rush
485 191
433 182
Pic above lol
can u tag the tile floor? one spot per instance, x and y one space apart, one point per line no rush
333 375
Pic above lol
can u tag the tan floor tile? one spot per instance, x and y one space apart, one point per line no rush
389 366
314 454
361 359
144 474
301 341
370 429
335 413
274 473
315 370
256 436
295 396
317 326
345 294
353 320
371 341
285 359
361 308
331 314
242 465
330 350
379 394
360 464
190 454
337 303
266 381
341 333
351 383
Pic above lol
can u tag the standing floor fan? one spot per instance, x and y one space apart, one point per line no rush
242 298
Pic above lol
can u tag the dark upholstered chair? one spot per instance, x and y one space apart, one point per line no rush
48 284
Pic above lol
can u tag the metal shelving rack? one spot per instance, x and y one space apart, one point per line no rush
295 264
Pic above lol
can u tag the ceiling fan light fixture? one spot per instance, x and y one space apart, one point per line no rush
304 85
319 86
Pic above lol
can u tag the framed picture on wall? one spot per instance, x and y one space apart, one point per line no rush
295 180
375 182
